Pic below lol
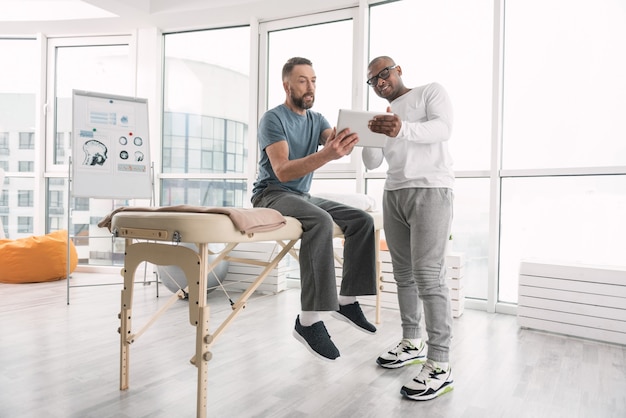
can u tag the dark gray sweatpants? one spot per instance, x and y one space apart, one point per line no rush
317 263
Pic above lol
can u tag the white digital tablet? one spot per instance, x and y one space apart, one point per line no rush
357 121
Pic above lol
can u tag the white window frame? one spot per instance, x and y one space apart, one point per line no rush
49 101
353 167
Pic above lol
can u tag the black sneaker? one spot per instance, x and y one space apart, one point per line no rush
316 339
353 315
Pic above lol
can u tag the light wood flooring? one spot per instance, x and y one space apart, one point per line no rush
60 360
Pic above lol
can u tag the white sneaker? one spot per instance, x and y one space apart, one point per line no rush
432 381
405 353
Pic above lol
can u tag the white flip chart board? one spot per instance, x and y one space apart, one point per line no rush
110 146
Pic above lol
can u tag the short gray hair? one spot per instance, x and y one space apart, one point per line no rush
292 62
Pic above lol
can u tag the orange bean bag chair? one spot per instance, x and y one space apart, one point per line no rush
36 259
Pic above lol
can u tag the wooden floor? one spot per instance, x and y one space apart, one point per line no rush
60 360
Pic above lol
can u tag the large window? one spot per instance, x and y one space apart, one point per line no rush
540 159
564 154
565 90
562 219
18 94
449 43
97 65
101 65
311 38
206 100
332 65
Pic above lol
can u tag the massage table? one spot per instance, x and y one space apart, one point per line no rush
153 237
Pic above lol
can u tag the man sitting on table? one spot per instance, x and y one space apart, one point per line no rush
289 139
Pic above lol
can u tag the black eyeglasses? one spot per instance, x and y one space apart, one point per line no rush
384 74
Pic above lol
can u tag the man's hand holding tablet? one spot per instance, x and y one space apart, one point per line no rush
359 121
387 124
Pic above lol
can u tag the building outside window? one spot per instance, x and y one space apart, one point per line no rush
25 198
55 202
25 224
60 147
25 166
4 143
27 140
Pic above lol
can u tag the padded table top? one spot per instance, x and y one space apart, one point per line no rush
202 227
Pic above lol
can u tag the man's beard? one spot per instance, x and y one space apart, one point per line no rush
299 101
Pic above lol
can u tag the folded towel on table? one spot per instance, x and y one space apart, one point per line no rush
246 220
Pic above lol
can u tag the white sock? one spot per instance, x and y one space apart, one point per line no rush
346 300
308 318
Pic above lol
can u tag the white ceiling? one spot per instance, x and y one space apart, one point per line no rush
167 15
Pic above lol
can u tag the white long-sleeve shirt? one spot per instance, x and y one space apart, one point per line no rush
418 156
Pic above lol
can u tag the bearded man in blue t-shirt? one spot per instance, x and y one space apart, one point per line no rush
290 136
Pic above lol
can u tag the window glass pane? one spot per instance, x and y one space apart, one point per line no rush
206 89
564 87
576 220
470 232
229 193
374 188
93 244
470 229
97 68
18 86
455 49
334 186
332 65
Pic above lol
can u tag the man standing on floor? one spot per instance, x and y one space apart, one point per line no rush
289 138
417 214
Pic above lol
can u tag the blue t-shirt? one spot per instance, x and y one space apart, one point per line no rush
303 134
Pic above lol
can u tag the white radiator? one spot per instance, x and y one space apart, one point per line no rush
583 301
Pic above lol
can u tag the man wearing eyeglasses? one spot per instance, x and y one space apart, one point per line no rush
417 212
289 138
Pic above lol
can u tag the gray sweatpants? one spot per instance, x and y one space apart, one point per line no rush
317 262
417 225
